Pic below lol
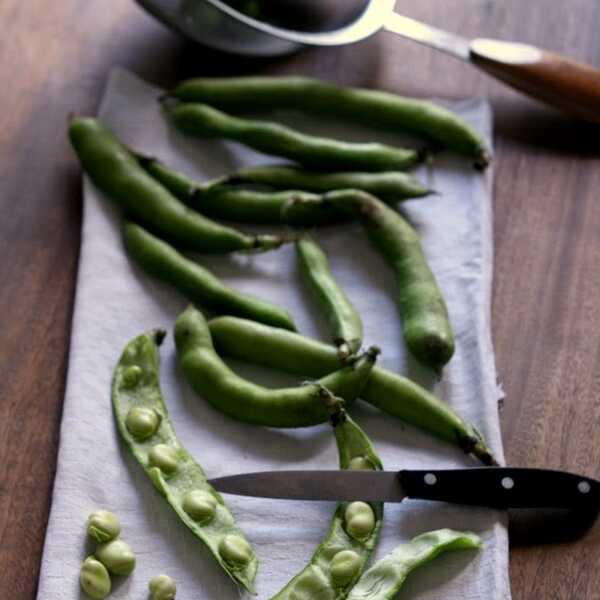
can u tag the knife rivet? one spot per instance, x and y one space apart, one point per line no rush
430 479
584 487
507 483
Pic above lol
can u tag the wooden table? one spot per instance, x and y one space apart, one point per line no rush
546 312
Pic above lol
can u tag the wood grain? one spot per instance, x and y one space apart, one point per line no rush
546 313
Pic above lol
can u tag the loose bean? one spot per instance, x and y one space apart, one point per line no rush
116 556
162 587
103 526
94 579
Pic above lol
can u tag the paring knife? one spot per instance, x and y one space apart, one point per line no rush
497 487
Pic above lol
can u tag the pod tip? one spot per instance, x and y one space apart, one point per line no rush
159 336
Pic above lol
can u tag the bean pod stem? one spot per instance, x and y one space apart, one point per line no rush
171 468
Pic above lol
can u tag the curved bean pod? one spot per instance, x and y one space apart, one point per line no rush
391 393
245 401
116 172
339 560
391 186
385 578
162 261
425 322
291 207
137 400
344 322
279 140
374 108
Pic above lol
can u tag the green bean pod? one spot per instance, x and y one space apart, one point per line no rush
162 261
116 172
340 558
384 579
290 207
345 324
143 422
391 186
374 108
222 198
275 139
392 393
425 322
245 401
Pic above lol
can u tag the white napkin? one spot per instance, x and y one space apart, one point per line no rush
116 301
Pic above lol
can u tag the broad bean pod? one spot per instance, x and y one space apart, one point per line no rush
144 425
117 173
384 110
391 186
345 324
340 558
390 392
233 203
162 261
384 579
272 138
245 401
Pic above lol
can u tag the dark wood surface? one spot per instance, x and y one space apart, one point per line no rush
546 311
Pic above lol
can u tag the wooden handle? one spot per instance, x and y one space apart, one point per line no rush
564 83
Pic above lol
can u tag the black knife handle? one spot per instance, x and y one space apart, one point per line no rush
502 487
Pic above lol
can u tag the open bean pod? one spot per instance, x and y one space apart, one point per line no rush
340 559
388 575
144 425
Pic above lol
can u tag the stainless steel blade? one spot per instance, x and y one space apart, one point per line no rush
370 486
429 36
